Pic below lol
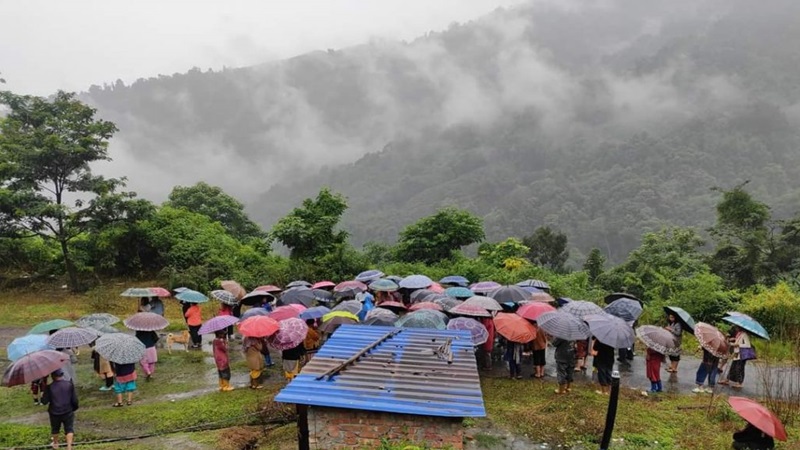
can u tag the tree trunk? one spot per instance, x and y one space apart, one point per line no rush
72 273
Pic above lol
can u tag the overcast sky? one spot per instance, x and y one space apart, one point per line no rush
58 44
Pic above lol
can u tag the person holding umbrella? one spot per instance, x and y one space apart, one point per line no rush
63 402
763 426
538 354
194 319
603 362
254 349
742 352
707 369
124 382
150 358
220 349
674 327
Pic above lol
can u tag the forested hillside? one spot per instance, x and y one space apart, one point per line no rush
605 120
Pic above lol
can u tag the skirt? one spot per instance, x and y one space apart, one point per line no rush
736 373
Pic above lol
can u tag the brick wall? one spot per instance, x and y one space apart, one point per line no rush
334 428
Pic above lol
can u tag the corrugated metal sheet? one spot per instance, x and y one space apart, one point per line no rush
401 375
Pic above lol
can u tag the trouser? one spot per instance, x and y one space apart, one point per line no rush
148 367
514 368
194 332
564 371
706 371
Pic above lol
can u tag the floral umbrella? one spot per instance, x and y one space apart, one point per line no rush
469 310
659 339
486 303
292 333
479 333
159 292
97 320
711 339
422 319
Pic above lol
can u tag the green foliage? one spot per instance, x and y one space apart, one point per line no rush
28 256
777 309
437 237
548 248
497 254
309 231
595 264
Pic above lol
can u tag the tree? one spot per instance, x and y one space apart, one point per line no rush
213 202
309 231
435 238
46 147
594 264
511 250
548 248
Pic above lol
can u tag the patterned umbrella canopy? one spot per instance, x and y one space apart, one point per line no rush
454 280
252 312
146 321
369 275
351 306
190 296
581 308
97 320
257 298
298 283
469 310
542 297
761 418
711 339
478 331
626 309
314 313
538 284
234 288
485 287
298 295
159 292
120 348
292 333
426 318
33 366
393 306
333 322
50 325
510 293
383 314
659 340
416 282
424 305
532 311
137 292
284 312
349 288
459 292
72 337
563 325
258 327
225 297
24 345
323 284
749 325
486 303
611 330
384 285
271 288
514 328
684 317
380 321
447 303
420 294
217 323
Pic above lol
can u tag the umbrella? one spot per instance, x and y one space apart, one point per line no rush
137 292
283 312
419 294
425 318
563 300
510 293
532 290
538 284
436 287
334 314
659 340
252 312
380 321
476 329
486 303
384 285
610 330
581 308
369 275
314 313
737 314
258 326
711 339
50 325
484 287
758 416
321 295
510 306
384 315
394 306
684 317
333 322
190 296
455 280
394 278
234 288
159 292
626 309
146 321
299 283
300 308
256 298
180 289
349 288
469 310
542 297
749 325
33 366
425 305
298 295
458 292
416 282
97 320
72 337
447 303
351 306
225 297
514 328
532 311
119 348
323 284
610 298
292 333
24 345
217 323
105 329
271 288
563 325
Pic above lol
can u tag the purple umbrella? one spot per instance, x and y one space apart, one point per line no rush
484 287
478 331
217 323
291 334
33 366
146 321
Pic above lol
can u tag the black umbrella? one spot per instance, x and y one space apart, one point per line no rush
618 295
510 293
625 308
300 295
257 298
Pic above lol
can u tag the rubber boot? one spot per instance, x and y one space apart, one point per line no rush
221 385
225 386
660 386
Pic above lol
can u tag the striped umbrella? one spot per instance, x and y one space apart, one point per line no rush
224 297
425 305
459 292
384 285
146 321
479 333
314 313
425 318
234 288
97 320
369 275
72 337
610 330
711 339
302 295
351 306
626 309
563 325
292 333
510 293
659 339
486 303
33 366
50 325
416 282
284 312
217 323
258 327
454 280
190 296
538 284
24 345
532 311
120 348
485 287
581 308
252 312
469 310
514 328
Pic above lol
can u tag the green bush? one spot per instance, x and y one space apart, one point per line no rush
777 309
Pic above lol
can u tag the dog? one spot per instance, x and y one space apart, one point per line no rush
182 338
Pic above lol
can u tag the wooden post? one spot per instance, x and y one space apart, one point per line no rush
302 427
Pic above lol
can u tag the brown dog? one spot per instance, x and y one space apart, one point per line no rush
182 338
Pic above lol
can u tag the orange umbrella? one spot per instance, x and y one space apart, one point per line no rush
234 288
258 327
532 311
514 328
759 416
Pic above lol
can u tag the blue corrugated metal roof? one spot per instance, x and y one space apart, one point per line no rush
401 375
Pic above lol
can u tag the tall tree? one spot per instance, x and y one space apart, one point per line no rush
435 238
46 147
594 264
213 202
548 248
310 231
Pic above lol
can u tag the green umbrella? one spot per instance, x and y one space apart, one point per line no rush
682 315
50 325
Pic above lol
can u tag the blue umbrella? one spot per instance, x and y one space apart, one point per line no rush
369 275
416 282
748 324
455 280
625 308
314 313
24 345
459 292
190 296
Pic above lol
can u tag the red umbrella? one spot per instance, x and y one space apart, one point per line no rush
284 312
234 288
258 327
34 366
759 416
711 339
532 311
469 310
271 288
159 292
514 328
323 285
146 321
424 305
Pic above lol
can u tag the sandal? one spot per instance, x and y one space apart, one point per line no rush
129 404
117 405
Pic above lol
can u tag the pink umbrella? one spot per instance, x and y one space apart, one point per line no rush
284 312
271 288
425 305
146 321
469 310
392 306
292 333
298 307
34 366
485 287
159 292
436 287
532 311
217 323
542 297
323 285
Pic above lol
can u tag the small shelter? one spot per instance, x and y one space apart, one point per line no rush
374 383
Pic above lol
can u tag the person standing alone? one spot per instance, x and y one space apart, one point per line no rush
63 401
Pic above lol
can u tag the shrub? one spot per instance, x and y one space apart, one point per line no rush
777 309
